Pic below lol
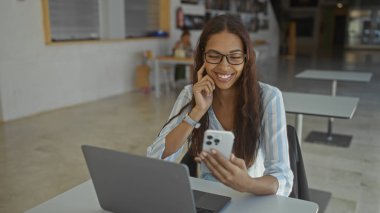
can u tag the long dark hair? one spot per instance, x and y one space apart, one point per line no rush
248 108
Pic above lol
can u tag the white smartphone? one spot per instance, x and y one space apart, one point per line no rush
222 141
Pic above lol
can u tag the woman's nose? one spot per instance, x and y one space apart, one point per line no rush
224 63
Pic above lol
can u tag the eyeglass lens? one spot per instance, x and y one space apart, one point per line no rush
214 57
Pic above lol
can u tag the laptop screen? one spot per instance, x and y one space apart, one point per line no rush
129 183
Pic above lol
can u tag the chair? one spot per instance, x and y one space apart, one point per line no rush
190 163
300 186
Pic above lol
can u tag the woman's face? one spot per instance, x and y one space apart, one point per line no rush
186 39
224 74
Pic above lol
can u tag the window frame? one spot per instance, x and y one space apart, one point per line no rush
164 24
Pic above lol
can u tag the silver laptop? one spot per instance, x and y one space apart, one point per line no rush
130 183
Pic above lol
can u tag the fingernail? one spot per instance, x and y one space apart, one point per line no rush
204 154
213 151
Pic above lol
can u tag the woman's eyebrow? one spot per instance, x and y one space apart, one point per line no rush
237 50
232 51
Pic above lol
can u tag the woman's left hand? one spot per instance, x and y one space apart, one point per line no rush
232 172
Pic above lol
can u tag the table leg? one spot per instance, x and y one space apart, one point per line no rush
329 138
298 123
331 120
157 78
333 87
329 130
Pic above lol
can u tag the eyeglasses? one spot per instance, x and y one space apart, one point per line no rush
214 57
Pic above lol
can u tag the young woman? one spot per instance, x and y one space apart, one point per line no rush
184 44
226 95
182 48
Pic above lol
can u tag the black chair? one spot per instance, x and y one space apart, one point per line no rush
300 186
191 164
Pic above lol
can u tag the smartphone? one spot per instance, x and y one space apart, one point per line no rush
222 141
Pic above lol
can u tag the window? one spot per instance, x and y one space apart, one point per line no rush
72 20
141 17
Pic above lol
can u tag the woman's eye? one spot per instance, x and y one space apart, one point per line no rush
235 57
214 56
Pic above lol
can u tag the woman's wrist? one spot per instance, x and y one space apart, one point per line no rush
196 114
266 185
251 185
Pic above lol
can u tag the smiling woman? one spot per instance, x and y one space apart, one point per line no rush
226 95
94 20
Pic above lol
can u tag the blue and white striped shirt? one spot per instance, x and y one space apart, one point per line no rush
273 154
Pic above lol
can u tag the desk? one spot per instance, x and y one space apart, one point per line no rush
82 198
318 105
166 60
334 76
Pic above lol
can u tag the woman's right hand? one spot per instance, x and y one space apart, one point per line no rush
203 91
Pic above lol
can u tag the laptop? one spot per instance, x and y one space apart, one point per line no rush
129 183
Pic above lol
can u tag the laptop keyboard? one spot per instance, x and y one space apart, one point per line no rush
200 210
209 203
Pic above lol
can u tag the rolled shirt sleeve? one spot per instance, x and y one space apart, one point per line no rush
276 150
157 148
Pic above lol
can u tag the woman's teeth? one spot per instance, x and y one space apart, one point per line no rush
224 76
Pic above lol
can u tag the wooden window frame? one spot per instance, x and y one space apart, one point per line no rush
164 24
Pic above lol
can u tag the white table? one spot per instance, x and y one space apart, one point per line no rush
158 61
334 76
318 105
82 198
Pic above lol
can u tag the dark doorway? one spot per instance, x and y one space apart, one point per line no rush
340 31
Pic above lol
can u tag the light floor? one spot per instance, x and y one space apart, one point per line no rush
40 156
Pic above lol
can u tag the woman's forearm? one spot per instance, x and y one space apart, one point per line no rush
266 185
177 137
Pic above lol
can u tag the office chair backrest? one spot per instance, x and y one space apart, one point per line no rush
189 161
300 188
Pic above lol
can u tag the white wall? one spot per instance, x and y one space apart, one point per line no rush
1 108
36 78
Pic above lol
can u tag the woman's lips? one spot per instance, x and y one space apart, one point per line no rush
224 77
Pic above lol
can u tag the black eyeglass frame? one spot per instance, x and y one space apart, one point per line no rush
223 55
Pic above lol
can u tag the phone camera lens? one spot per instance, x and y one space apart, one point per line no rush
208 143
216 141
209 137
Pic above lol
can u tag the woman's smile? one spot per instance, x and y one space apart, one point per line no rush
224 78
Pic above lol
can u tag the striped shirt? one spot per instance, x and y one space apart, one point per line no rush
273 153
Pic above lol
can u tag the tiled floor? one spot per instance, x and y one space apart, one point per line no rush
40 156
